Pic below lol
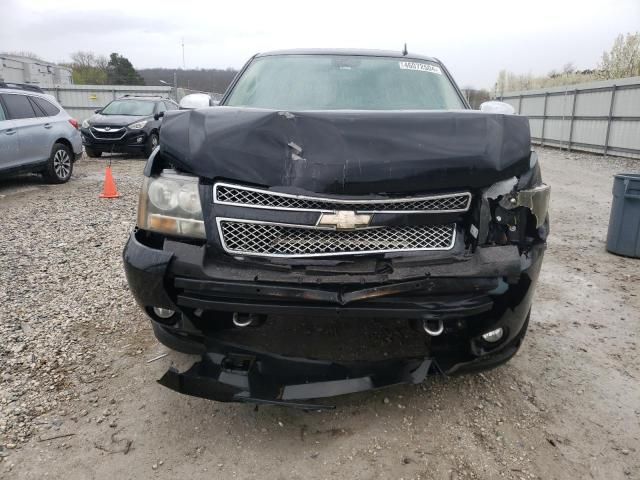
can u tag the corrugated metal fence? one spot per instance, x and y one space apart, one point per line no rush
80 101
601 117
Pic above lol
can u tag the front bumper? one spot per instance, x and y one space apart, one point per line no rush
490 289
133 141
231 373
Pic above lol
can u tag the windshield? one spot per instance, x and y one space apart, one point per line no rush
341 82
129 107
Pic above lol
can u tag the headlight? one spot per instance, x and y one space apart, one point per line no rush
138 125
163 194
189 199
85 123
170 204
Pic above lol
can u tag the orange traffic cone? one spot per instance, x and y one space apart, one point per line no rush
110 190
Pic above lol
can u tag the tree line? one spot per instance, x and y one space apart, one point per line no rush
203 79
91 69
623 60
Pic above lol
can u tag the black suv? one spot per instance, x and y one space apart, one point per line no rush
126 125
352 185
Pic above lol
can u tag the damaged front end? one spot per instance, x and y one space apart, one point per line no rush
441 234
231 373
514 211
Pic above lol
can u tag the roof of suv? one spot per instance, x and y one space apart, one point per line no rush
21 87
348 51
38 92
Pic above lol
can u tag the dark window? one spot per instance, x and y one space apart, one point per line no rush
129 107
18 106
36 108
48 108
2 114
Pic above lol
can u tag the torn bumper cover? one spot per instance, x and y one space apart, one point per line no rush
492 289
230 373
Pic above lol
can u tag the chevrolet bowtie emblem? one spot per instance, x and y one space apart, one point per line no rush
344 220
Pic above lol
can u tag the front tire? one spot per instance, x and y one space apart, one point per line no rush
93 153
152 143
60 164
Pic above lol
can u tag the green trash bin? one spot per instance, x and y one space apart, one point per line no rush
623 237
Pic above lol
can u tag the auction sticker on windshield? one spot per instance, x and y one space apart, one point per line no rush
423 67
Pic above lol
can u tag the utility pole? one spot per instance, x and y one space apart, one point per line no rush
183 64
175 84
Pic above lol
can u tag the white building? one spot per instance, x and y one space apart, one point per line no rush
17 69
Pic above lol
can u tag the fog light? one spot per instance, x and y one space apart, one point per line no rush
493 336
139 139
163 312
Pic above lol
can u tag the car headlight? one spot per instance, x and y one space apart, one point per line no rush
85 123
138 125
170 204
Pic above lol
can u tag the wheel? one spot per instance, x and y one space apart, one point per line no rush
92 153
152 143
60 164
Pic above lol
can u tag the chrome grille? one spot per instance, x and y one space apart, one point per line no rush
236 195
110 133
243 237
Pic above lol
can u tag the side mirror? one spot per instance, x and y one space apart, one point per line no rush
97 110
195 100
158 116
497 107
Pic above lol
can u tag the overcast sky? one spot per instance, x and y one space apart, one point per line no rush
475 39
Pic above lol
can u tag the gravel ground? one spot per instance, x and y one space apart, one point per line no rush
78 398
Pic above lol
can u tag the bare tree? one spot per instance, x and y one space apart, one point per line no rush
568 68
623 60
83 59
501 83
476 96
89 68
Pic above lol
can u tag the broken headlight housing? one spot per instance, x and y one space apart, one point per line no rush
515 210
170 204
535 199
529 192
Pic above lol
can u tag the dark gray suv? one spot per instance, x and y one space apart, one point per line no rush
36 134
130 124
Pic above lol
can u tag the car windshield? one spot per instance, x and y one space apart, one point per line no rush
129 107
342 82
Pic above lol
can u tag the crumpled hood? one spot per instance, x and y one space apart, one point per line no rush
348 152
